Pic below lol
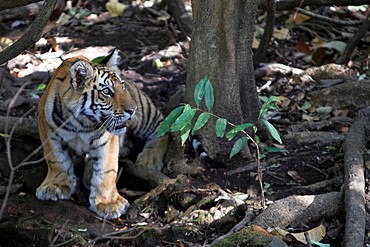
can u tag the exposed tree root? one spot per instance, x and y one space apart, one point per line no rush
296 210
355 180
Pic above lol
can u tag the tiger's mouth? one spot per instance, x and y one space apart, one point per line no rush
115 126
119 125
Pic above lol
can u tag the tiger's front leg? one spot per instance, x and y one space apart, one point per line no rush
104 197
60 181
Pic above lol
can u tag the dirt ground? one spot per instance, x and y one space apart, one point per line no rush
309 163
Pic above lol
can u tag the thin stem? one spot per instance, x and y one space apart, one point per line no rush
259 170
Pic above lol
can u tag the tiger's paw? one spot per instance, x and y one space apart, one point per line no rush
109 209
54 191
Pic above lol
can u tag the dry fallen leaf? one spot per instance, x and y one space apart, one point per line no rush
255 42
5 42
281 33
317 42
284 101
302 47
315 234
296 177
115 8
297 18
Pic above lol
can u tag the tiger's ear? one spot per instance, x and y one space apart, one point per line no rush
112 59
81 72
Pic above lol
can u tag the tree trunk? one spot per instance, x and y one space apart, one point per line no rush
221 48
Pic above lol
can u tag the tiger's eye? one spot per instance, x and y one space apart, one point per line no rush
107 92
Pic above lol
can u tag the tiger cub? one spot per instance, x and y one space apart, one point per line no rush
86 110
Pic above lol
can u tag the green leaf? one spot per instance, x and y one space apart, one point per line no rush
183 119
169 120
273 131
209 98
239 144
185 133
158 64
41 86
255 129
98 59
269 104
199 91
187 107
201 121
273 99
220 127
256 138
230 135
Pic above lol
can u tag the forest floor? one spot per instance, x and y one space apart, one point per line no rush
318 105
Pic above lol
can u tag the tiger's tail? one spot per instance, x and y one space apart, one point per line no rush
202 154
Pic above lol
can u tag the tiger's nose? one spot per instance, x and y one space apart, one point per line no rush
131 111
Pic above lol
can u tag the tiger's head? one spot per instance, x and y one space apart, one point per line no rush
102 95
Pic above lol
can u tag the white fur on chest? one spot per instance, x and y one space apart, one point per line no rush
84 143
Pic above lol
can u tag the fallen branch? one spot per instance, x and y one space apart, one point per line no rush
15 3
26 126
19 12
295 210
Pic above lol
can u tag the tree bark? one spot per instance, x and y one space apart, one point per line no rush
221 48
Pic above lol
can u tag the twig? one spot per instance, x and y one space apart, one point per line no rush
8 139
182 17
111 235
7 144
259 169
58 234
32 33
98 237
289 4
65 242
317 169
352 43
308 240
328 19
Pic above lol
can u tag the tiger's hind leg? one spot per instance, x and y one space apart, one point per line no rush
104 197
60 181
153 153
